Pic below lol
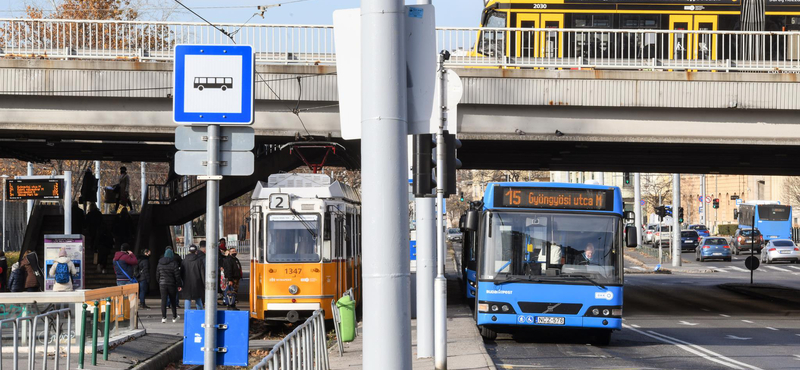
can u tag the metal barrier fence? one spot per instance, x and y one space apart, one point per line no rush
304 348
31 339
630 49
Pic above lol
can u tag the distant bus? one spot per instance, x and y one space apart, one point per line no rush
222 83
550 255
772 219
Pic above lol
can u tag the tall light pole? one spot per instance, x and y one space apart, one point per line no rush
5 193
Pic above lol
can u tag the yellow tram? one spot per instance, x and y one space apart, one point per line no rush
306 243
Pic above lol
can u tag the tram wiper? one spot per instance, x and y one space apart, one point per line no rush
584 277
302 221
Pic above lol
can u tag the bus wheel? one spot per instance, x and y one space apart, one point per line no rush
487 334
224 88
602 337
200 88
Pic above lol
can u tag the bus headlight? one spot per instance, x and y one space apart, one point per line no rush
496 307
604 311
483 307
293 289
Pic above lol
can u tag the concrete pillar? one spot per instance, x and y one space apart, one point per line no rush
637 205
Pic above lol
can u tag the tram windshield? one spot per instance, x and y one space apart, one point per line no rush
547 247
293 238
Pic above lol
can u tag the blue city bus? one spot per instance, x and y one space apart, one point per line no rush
550 255
772 219
468 258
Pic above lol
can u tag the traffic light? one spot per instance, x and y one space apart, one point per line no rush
680 215
423 178
626 176
661 211
451 144
462 196
715 203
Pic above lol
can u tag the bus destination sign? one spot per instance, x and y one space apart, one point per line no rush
554 198
35 189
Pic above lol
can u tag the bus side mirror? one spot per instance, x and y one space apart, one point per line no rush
471 222
735 214
631 236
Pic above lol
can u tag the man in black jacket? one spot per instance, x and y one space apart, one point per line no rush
193 271
168 274
232 269
143 276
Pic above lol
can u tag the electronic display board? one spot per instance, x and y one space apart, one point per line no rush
554 198
35 189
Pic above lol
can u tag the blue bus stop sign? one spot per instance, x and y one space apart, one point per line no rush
232 339
214 84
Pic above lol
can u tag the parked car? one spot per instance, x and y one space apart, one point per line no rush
454 235
701 229
743 240
650 233
690 240
663 236
713 248
780 250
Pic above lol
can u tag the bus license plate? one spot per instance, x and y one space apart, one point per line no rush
548 320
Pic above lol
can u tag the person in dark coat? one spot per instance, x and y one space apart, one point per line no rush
92 224
232 269
168 274
104 244
179 261
123 228
143 275
124 262
193 272
3 272
88 189
77 218
31 281
16 282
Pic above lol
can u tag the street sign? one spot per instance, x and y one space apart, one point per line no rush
420 58
752 263
233 138
734 197
195 163
214 84
19 189
738 202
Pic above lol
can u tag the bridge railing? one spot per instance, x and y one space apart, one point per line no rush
629 49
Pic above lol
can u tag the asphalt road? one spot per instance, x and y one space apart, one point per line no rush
679 321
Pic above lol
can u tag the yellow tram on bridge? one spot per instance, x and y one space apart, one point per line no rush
306 243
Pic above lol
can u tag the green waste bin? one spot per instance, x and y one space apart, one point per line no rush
347 315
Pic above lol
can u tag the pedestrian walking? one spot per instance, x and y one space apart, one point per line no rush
193 275
3 272
16 281
143 275
104 243
62 271
31 272
88 189
233 274
124 262
168 275
122 188
92 224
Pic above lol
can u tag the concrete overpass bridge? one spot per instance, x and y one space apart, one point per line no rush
102 90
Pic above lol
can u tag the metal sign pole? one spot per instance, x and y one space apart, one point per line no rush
212 251
29 201
676 224
637 205
753 243
68 202
440 283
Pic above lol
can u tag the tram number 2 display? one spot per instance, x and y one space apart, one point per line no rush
279 201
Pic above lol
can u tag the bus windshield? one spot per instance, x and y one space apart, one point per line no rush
547 247
292 238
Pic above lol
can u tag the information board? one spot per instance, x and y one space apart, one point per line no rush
557 198
35 189
74 246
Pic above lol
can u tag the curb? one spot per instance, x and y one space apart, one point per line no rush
160 361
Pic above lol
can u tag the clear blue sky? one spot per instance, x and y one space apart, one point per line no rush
449 13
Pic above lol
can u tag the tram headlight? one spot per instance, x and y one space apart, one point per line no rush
293 289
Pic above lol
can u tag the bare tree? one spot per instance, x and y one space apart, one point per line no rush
656 191
791 190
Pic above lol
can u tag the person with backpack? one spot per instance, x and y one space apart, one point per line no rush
62 270
31 272
16 282
124 262
168 274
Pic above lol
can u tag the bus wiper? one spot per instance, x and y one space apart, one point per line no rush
584 277
514 279
302 221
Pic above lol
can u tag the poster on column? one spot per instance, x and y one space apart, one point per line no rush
73 244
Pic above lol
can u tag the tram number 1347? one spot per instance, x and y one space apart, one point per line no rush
293 271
